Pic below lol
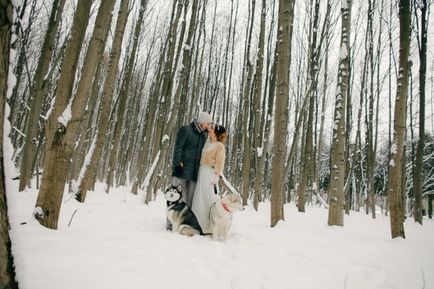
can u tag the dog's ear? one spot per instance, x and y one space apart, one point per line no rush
179 188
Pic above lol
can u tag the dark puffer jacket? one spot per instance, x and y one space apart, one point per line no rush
188 150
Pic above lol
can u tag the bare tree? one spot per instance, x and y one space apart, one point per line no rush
418 170
21 69
308 155
7 272
257 112
369 115
286 14
245 113
337 176
320 142
397 148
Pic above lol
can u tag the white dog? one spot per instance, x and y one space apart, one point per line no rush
221 215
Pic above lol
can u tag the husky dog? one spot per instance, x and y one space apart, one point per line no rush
179 214
221 215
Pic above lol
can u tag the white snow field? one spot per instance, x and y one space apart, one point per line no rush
116 242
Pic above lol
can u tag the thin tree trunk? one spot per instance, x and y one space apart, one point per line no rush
370 162
358 144
245 170
86 183
389 73
197 79
337 162
246 156
17 101
37 95
123 96
86 132
379 84
184 77
286 14
257 136
7 271
267 131
225 113
165 94
206 98
418 172
307 161
397 148
323 107
240 168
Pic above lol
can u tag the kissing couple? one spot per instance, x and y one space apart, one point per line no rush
198 162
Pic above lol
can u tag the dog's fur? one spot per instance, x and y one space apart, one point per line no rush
221 215
180 215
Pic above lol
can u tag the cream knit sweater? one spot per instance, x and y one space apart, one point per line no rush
214 156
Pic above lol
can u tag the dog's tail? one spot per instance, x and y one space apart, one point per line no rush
188 230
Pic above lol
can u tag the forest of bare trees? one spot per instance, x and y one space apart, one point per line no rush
327 103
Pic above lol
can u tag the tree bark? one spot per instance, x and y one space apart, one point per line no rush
397 149
418 172
258 143
286 14
245 114
7 272
323 106
370 157
307 161
337 162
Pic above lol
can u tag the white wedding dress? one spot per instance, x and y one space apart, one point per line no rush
204 193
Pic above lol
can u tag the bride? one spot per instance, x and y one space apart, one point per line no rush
211 166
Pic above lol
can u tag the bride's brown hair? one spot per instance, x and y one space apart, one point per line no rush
220 133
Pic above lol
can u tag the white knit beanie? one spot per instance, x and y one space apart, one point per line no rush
204 117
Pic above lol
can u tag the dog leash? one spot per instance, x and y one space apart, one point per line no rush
228 185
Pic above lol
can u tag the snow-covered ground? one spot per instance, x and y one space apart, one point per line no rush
116 242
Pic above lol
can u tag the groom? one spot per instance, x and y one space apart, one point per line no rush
186 156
